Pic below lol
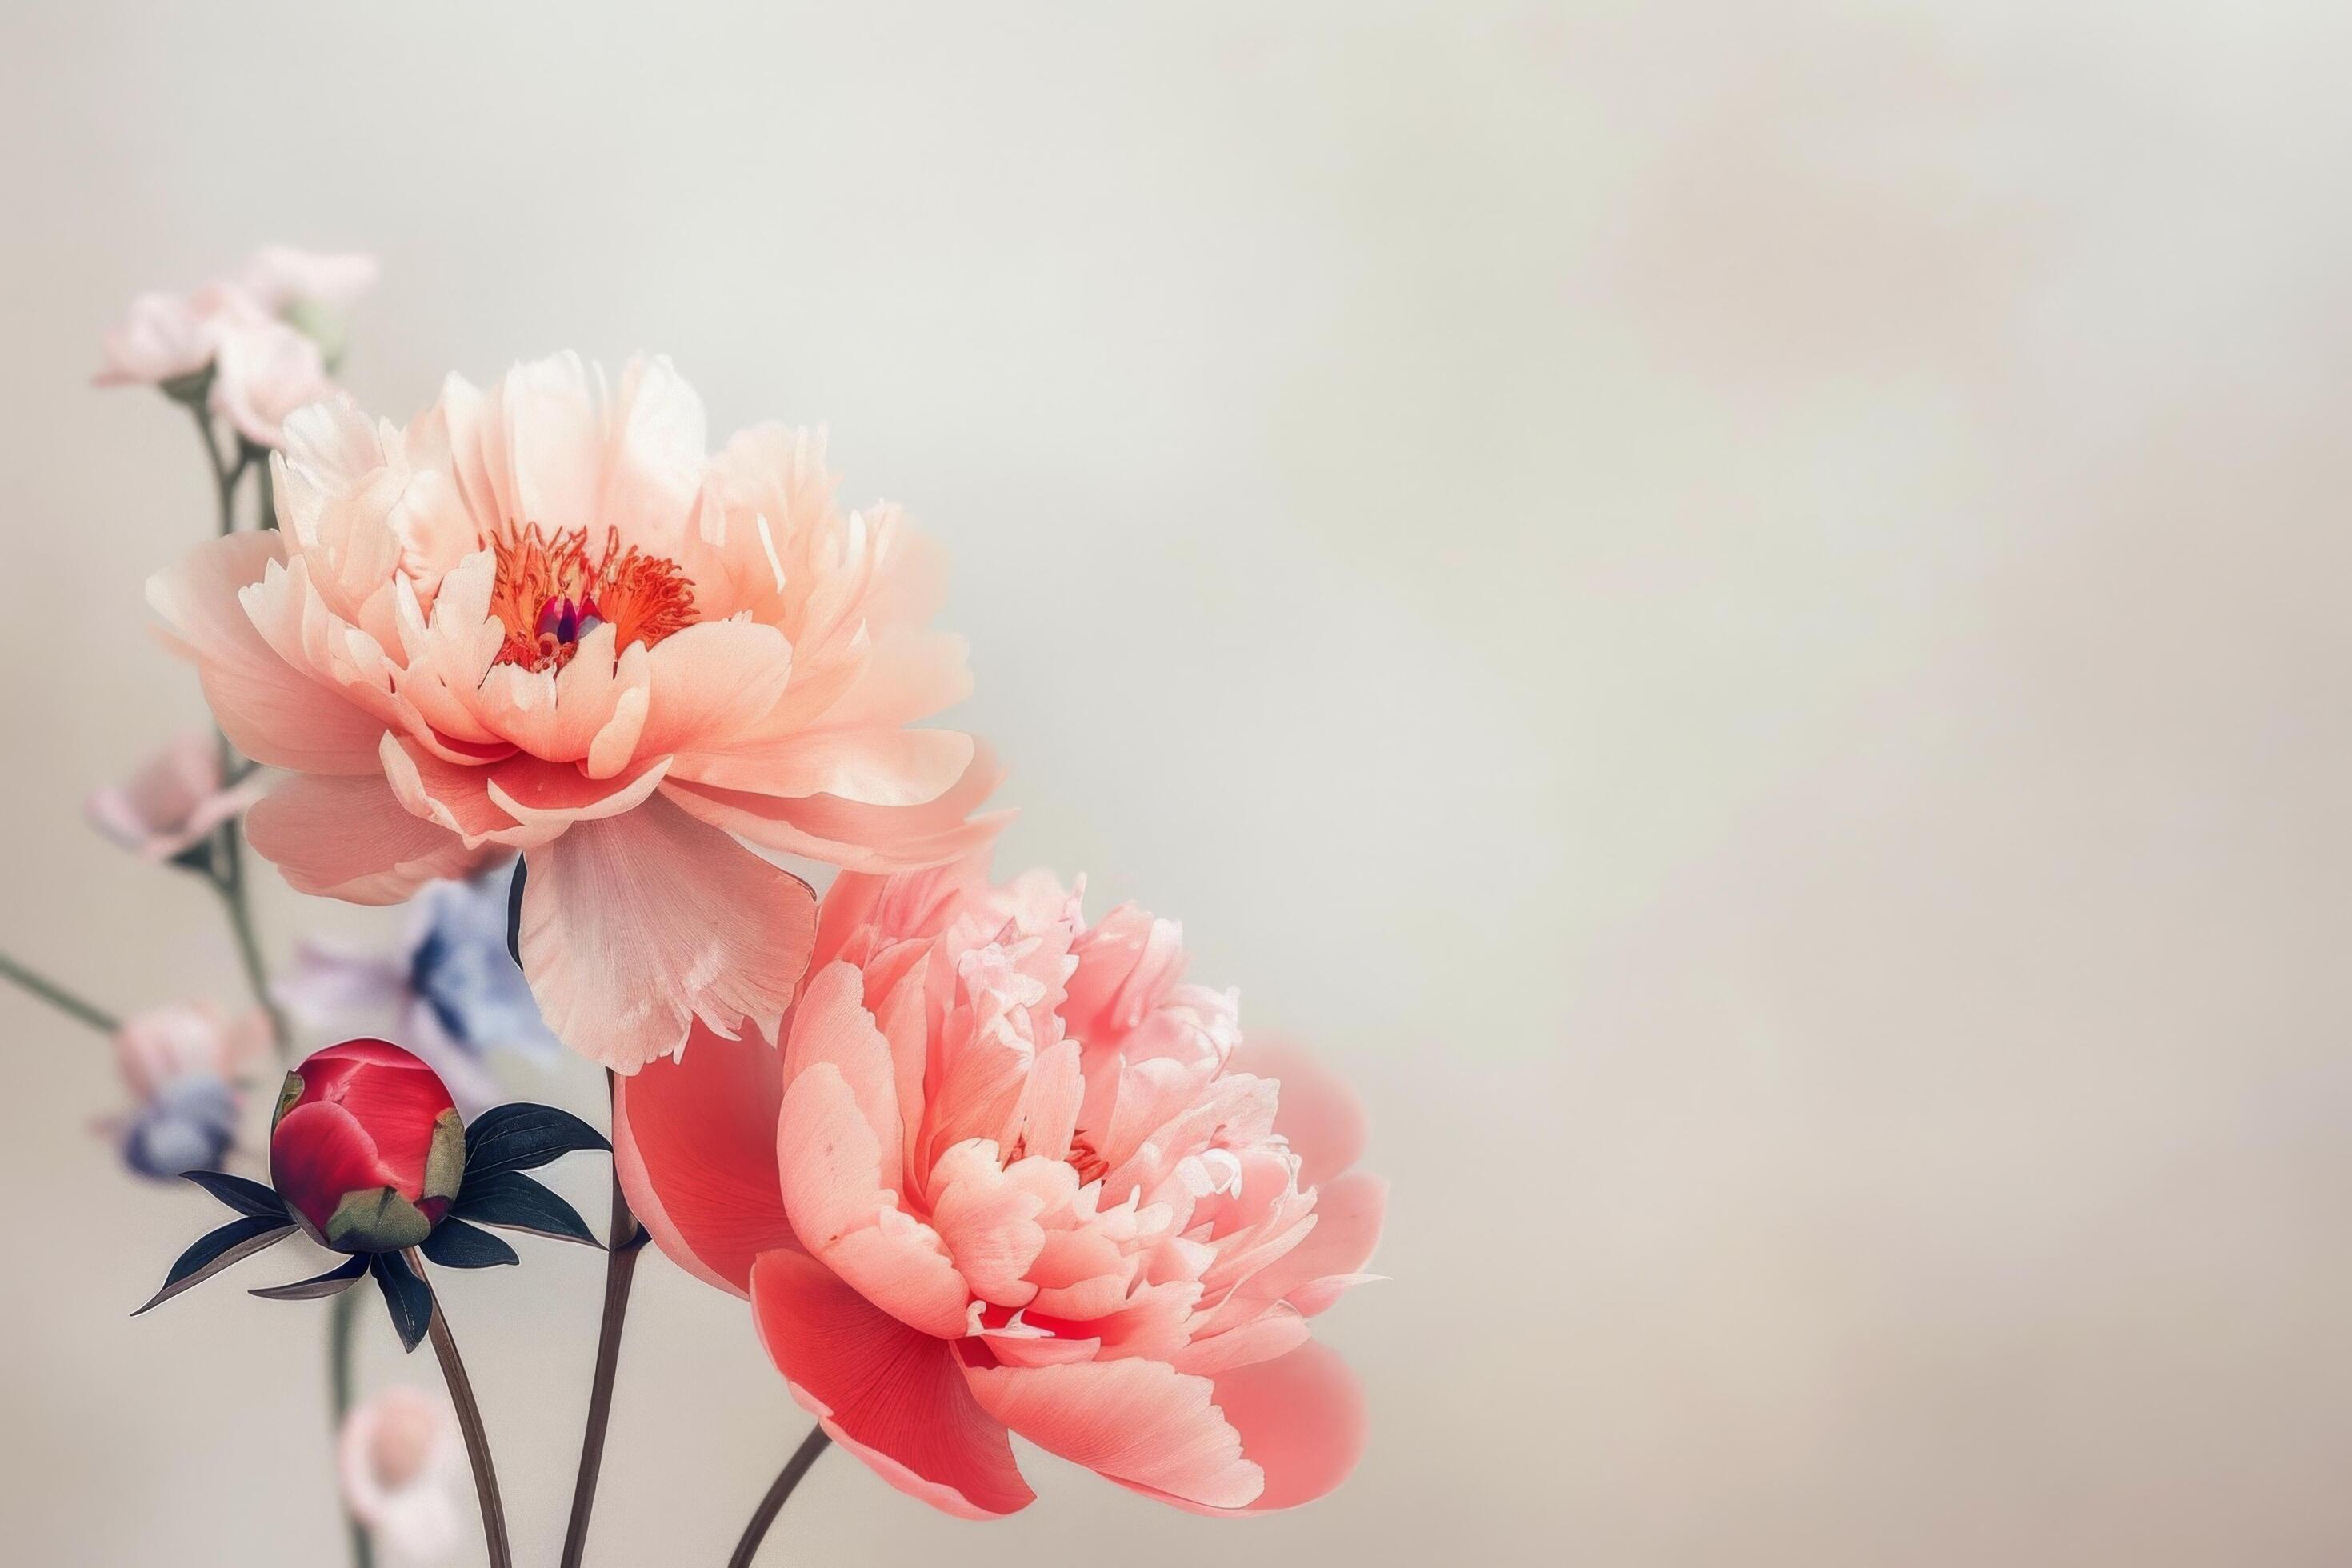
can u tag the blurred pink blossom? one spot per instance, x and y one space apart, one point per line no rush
172 802
399 1461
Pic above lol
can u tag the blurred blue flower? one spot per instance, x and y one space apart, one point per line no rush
187 1125
452 994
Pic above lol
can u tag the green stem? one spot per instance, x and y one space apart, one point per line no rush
228 876
58 996
339 1384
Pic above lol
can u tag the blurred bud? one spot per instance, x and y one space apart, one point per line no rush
366 1148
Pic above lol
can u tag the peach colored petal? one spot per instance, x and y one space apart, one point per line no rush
891 1395
1140 1422
873 767
272 711
694 1144
708 685
633 926
1310 1276
349 839
850 834
1302 1421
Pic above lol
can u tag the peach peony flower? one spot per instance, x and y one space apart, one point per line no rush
172 802
1008 1172
542 618
399 1459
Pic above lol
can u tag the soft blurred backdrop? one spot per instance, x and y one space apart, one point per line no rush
1736 608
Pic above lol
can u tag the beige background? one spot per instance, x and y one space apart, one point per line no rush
1738 608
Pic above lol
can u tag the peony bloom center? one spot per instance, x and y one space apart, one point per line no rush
549 595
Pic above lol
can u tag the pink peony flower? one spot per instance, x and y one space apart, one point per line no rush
399 1459
168 337
158 1048
281 276
264 372
172 802
182 1064
1011 1174
542 618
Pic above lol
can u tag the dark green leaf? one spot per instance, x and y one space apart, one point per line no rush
454 1244
514 909
410 1299
245 1197
520 1137
514 1201
215 1251
333 1282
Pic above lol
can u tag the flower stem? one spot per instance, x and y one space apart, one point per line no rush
773 1503
469 1421
339 1374
228 876
58 996
623 1238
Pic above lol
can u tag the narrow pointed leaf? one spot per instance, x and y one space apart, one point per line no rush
522 1136
335 1281
454 1244
217 1250
515 1202
245 1197
409 1298
514 910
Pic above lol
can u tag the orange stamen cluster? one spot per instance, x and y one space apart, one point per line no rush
549 595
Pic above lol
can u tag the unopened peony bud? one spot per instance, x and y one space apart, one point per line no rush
367 1148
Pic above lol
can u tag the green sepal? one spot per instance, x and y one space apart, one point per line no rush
445 1162
409 1298
288 1093
376 1219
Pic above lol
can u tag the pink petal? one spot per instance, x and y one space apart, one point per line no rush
349 839
831 1025
694 1143
1348 1215
1302 1421
1318 1113
271 711
709 684
892 1397
831 1163
635 925
1140 1422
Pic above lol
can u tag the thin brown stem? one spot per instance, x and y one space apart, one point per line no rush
780 1489
624 1240
469 1421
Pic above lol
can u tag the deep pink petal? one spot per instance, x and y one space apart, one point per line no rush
887 1394
694 1143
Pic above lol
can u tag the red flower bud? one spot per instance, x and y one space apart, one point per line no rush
367 1147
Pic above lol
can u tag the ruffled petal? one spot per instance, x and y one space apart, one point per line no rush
635 925
273 712
1140 1422
831 1164
694 1144
887 1394
1303 1422
853 835
1318 1113
349 839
